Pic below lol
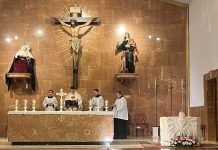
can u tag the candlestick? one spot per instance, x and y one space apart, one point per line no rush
155 100
25 105
16 105
90 105
170 87
90 102
106 105
33 105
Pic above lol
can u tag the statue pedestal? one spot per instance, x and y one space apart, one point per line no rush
19 75
126 77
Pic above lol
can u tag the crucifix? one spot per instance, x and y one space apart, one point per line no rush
75 22
61 94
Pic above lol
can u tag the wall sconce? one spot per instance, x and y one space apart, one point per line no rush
16 37
39 33
8 39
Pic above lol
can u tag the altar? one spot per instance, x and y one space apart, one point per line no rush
60 126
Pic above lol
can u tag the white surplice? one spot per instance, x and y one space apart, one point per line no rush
98 100
48 100
121 110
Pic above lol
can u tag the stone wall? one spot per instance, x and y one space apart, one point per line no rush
161 59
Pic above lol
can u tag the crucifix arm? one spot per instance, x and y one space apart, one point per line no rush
63 23
87 23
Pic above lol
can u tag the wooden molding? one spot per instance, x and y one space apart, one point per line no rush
126 76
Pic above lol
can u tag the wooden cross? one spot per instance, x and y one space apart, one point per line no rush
61 94
75 22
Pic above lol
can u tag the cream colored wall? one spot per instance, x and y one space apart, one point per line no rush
203 26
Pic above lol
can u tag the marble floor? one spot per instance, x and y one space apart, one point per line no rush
129 144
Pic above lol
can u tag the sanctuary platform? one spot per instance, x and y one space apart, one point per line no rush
60 126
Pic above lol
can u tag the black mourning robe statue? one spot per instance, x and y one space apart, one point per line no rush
22 65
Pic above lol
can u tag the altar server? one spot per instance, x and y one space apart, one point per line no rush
120 116
50 102
73 100
97 101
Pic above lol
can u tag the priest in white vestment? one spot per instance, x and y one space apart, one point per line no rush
97 101
50 102
120 117
73 100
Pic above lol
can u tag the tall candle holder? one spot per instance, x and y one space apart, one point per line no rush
33 105
182 95
155 100
90 105
25 105
106 105
170 89
16 105
155 128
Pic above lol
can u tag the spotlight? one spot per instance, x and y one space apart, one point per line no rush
122 29
149 36
39 32
8 39
16 37
158 39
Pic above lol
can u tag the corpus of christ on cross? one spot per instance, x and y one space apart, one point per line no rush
75 22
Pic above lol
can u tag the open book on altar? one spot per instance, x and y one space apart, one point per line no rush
71 103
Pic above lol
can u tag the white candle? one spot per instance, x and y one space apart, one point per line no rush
16 105
90 102
106 103
25 102
34 103
16 102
